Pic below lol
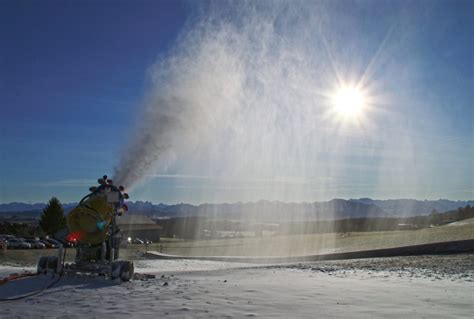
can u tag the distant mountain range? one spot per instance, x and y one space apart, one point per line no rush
270 210
412 207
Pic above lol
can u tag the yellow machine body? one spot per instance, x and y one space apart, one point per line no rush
90 220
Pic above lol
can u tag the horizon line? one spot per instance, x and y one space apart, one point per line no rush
264 200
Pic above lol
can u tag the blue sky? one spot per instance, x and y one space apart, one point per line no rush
74 75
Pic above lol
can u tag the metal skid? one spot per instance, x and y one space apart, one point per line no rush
119 269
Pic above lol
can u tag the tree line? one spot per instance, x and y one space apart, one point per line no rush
52 219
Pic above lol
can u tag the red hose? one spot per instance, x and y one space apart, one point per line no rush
16 276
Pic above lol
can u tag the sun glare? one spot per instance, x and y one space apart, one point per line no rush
348 101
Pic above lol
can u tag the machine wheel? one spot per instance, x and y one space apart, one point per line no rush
122 269
42 265
46 263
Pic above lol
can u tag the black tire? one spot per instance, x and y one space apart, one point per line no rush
53 263
122 269
115 273
126 271
41 268
47 263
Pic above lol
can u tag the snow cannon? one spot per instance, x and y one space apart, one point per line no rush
90 222
93 229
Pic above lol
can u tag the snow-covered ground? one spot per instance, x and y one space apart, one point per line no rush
402 287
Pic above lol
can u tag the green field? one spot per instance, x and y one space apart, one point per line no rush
294 245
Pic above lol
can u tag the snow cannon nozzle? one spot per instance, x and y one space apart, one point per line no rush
107 185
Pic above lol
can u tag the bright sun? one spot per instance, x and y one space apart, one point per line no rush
348 101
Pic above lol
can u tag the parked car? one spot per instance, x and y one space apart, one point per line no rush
18 243
66 243
6 238
35 243
54 241
49 244
137 241
147 241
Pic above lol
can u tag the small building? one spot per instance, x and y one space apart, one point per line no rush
140 226
407 227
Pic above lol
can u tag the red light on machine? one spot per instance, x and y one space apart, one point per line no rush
74 237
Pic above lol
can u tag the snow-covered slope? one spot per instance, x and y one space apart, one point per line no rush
383 288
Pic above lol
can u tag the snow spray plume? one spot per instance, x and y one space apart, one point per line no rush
244 93
222 74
